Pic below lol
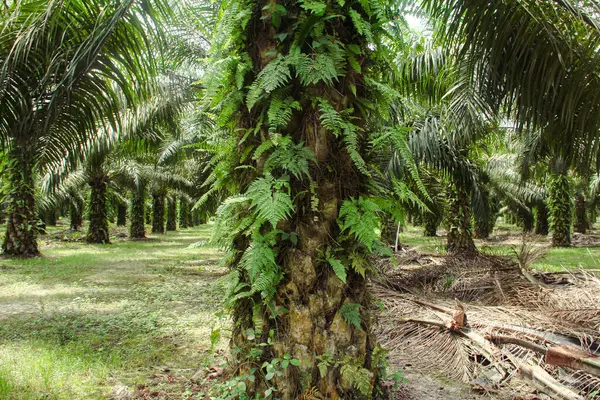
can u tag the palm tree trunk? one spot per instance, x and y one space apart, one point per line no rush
196 218
460 236
482 228
76 214
388 230
561 210
526 220
541 220
432 222
183 210
50 218
158 213
192 221
121 215
581 219
21 234
148 213
317 304
98 228
137 229
172 214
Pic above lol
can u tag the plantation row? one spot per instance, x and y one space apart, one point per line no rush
311 130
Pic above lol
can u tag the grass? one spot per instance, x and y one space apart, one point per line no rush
87 321
83 321
503 242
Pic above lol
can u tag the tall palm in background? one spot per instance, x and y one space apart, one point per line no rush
65 66
536 62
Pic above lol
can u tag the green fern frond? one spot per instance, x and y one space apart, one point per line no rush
262 149
359 264
359 218
359 378
316 7
407 196
275 75
270 198
338 268
258 257
231 220
330 118
321 68
290 157
339 126
259 261
280 112
351 314
361 26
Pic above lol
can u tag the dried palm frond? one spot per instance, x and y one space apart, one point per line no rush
513 324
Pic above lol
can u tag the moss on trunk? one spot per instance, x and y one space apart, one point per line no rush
21 233
158 212
561 209
98 228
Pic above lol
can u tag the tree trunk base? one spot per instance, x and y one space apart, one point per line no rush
21 224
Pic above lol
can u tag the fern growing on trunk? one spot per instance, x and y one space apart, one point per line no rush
295 83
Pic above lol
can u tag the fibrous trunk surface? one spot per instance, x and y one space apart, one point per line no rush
305 303
561 210
581 219
183 213
541 220
50 217
460 236
98 228
158 213
20 239
172 214
76 214
432 223
137 229
121 215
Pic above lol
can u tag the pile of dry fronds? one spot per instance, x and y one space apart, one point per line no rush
491 322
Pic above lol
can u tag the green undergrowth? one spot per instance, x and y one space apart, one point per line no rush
505 240
85 321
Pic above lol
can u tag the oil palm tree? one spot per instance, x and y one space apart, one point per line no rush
64 63
299 93
537 62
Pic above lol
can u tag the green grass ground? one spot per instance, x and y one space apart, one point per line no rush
506 239
84 320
